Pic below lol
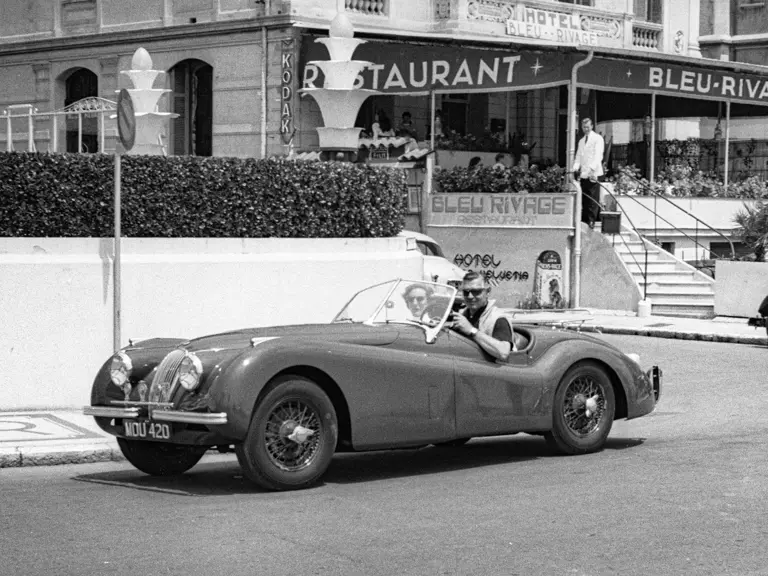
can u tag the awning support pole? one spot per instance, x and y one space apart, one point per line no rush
426 189
572 125
727 139
652 143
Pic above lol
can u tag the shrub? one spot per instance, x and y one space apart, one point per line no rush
753 228
71 195
495 180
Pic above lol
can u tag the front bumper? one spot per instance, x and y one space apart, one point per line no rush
160 414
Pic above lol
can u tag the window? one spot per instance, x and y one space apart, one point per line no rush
648 10
749 17
192 100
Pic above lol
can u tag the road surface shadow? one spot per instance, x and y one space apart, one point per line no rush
221 474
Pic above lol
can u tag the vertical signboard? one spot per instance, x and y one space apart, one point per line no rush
287 90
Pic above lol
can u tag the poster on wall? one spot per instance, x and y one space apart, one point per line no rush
548 280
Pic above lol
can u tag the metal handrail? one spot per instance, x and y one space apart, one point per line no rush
656 215
643 269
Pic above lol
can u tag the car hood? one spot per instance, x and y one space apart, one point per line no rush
379 335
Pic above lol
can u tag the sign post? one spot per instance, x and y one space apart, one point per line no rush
126 129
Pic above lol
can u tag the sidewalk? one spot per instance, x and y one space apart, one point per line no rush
48 437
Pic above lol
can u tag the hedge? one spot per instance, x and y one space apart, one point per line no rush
71 195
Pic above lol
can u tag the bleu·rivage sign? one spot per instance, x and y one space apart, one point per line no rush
502 210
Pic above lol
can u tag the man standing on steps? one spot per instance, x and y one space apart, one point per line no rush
587 167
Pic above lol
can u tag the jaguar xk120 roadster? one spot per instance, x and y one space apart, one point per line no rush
385 373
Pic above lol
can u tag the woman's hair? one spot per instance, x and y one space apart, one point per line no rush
474 161
428 289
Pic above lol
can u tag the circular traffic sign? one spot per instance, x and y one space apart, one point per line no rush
126 119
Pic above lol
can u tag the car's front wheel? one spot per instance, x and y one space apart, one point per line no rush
292 436
160 458
584 409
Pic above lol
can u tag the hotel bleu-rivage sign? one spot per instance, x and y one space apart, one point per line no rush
554 26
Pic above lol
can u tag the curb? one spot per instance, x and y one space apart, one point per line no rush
60 455
674 334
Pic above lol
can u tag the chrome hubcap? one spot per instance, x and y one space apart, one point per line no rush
584 406
292 435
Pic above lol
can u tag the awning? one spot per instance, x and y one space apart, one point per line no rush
693 78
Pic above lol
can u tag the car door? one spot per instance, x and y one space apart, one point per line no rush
406 392
494 397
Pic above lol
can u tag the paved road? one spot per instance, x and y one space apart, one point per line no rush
680 492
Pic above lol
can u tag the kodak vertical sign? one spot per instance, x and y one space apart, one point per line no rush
287 75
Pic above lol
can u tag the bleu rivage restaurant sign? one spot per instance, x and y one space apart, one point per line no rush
403 68
502 210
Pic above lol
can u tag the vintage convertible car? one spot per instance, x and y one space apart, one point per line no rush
381 375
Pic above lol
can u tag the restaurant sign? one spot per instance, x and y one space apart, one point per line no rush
401 68
502 210
675 79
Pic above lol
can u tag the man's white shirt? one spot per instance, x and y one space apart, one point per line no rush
589 156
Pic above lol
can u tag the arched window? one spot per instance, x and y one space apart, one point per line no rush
192 99
82 83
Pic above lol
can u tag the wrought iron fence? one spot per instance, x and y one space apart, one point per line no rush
25 125
745 158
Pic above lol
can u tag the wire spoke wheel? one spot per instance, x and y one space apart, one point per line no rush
292 435
583 406
583 410
285 447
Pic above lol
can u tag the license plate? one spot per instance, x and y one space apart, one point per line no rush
147 430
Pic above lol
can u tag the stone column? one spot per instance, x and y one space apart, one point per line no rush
694 22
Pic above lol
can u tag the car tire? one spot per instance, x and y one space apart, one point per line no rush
574 429
453 443
160 458
269 457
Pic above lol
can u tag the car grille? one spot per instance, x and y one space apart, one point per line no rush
165 380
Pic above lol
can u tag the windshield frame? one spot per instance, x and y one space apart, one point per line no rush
430 332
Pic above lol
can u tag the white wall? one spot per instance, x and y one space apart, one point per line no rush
56 297
740 287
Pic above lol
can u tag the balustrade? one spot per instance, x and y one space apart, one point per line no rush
369 7
646 35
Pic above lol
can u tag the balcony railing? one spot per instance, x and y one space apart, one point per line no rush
646 35
367 7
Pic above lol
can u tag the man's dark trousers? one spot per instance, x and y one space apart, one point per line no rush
590 200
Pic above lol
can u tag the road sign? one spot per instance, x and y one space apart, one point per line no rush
126 119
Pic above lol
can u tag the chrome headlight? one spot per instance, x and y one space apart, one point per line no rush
635 358
190 371
120 369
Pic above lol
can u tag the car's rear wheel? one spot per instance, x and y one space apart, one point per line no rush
584 409
292 436
160 458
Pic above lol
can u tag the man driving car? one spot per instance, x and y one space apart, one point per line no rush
481 320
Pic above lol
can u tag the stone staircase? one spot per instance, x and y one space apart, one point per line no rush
674 287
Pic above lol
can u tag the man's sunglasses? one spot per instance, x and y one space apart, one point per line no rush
474 291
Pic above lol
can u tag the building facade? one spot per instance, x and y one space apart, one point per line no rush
235 67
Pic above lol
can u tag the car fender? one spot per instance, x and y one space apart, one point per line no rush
558 359
237 384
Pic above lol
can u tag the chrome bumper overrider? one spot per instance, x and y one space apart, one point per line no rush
107 412
158 414
656 375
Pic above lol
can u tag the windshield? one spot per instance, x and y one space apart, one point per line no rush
400 301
